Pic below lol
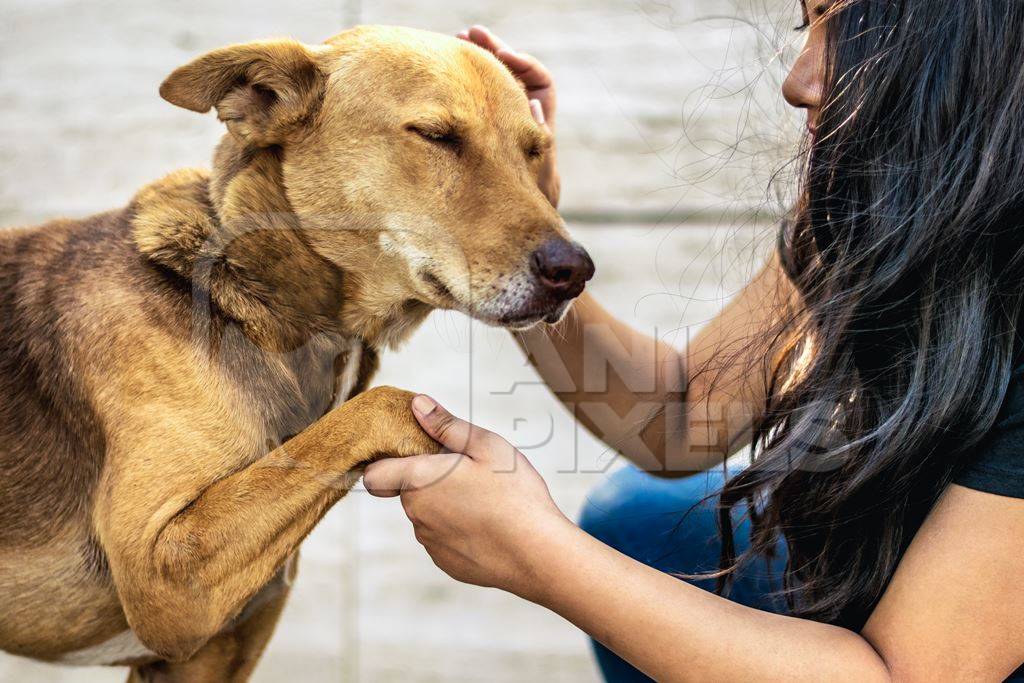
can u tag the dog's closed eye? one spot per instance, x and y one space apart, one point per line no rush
445 136
536 145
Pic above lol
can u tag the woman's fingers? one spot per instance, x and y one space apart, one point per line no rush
527 68
537 109
453 433
387 478
482 36
390 477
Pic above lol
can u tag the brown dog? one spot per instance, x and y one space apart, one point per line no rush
154 359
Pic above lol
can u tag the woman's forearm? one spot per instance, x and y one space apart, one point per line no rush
625 387
671 412
674 631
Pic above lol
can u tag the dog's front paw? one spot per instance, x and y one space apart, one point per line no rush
378 424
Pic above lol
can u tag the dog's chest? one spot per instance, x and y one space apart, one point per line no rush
293 390
348 370
123 647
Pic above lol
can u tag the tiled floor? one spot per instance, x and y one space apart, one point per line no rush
648 130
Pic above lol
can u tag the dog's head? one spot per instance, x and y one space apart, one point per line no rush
409 157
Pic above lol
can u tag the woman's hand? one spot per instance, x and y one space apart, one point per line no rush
482 512
540 90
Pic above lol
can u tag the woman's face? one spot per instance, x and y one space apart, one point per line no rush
804 84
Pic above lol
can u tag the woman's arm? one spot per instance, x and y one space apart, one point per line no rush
671 412
633 391
952 611
674 631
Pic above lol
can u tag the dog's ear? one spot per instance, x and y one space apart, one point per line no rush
261 90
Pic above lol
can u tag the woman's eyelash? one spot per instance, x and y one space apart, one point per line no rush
803 26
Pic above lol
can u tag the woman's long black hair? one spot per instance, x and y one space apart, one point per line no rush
907 249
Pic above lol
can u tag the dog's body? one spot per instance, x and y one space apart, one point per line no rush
154 361
101 347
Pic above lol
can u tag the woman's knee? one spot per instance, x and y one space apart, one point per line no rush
665 523
672 525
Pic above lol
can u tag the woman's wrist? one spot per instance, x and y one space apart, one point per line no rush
543 559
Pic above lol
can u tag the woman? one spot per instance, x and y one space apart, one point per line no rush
879 532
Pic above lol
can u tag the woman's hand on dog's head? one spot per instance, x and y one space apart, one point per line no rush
540 90
540 86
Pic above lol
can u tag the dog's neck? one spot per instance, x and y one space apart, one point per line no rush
233 234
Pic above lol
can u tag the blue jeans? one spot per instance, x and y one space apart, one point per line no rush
654 521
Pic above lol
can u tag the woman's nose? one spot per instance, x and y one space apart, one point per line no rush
802 87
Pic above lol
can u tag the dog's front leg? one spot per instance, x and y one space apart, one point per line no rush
189 568
231 655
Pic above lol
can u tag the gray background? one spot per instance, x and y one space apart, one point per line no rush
670 131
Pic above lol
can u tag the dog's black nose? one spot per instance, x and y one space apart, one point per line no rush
563 267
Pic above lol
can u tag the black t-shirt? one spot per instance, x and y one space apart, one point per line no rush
998 466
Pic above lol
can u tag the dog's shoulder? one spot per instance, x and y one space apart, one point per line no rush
83 310
172 221
65 270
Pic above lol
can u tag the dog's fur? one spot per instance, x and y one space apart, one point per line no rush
154 360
